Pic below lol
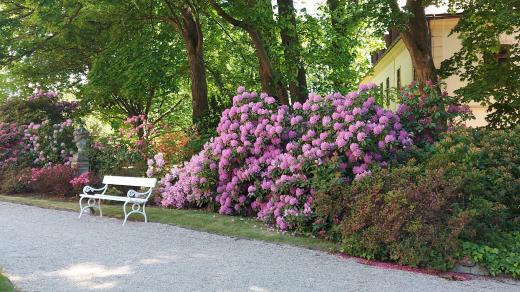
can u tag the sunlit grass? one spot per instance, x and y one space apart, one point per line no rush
5 285
239 227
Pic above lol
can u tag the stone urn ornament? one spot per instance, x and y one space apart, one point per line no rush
80 159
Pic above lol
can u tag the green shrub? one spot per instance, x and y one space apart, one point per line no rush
15 179
115 156
458 198
408 215
426 113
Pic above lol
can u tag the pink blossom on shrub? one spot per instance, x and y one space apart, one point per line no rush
81 180
260 164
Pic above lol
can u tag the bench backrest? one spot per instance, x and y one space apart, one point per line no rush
130 181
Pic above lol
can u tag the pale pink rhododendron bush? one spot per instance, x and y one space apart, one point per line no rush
263 155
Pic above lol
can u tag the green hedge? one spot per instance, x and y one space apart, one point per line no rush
459 198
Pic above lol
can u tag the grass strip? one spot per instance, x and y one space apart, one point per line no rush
5 284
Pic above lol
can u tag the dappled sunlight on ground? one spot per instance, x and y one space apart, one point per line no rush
158 260
258 289
87 274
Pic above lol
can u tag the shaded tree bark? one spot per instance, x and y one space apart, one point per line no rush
417 40
193 39
292 49
185 20
270 80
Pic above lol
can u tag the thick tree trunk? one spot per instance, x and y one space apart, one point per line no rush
271 83
417 40
193 40
292 49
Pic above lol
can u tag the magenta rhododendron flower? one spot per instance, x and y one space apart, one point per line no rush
260 159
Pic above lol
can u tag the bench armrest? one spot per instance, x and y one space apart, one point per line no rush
88 189
137 195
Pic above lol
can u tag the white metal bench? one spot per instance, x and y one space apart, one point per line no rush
137 199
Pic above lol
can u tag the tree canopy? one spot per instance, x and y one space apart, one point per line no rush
181 60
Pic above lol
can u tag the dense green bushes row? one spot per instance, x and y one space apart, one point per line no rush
460 197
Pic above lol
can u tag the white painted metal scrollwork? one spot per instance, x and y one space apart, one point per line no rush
137 208
89 189
137 199
91 203
136 194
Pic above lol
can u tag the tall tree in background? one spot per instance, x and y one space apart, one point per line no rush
258 11
184 16
415 34
292 51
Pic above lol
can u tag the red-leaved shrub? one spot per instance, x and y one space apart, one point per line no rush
53 180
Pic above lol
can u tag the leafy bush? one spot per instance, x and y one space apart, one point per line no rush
11 143
426 113
500 257
53 180
387 217
116 156
41 106
48 143
15 179
461 196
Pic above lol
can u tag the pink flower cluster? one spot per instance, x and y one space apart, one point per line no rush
155 165
11 143
81 180
49 144
50 95
140 128
261 160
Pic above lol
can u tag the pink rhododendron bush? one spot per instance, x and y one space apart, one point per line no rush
40 147
264 155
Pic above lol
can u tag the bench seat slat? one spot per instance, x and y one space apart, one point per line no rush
114 198
130 181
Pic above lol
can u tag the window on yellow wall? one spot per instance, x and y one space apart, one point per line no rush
381 99
387 91
398 78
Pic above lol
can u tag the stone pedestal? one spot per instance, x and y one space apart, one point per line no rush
81 165
80 159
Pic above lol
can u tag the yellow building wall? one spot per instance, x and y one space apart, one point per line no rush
444 46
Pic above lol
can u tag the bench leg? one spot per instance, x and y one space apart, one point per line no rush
91 203
136 209
99 207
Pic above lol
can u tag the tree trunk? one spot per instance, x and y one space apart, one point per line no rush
271 83
292 49
417 40
193 40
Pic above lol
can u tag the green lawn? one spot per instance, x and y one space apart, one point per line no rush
246 228
5 285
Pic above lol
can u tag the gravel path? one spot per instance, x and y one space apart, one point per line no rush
50 250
